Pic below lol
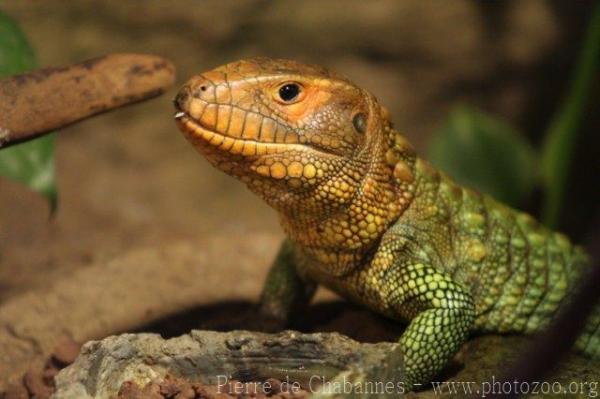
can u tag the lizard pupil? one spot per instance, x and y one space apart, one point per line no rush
360 122
289 92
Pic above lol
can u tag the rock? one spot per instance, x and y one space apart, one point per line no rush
37 387
66 351
16 391
138 287
105 368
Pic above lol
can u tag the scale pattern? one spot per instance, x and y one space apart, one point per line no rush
367 217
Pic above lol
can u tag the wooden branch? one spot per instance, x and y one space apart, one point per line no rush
37 102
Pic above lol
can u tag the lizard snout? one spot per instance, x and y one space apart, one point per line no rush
208 90
181 99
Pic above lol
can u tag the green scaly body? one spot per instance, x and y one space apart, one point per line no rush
458 262
372 221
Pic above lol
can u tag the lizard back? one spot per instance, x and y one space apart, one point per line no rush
518 271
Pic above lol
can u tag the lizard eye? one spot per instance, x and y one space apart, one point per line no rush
360 122
289 92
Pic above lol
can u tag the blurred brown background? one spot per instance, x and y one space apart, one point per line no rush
129 180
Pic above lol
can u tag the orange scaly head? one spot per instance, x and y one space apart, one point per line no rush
308 141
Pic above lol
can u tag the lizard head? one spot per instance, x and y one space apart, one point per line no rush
305 139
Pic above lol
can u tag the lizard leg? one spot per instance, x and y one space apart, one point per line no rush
441 313
285 291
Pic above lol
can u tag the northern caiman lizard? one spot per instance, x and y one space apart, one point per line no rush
367 217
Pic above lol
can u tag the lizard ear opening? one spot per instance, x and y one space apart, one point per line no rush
360 122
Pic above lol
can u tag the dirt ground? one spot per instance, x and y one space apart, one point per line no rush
129 182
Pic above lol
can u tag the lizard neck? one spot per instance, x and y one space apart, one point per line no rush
341 237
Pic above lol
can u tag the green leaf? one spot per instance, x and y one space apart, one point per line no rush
31 163
561 137
484 153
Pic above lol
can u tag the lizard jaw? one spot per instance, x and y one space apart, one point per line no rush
198 134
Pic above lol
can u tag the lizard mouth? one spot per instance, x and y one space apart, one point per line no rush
236 146
198 130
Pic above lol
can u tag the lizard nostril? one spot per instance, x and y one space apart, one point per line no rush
203 88
181 99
